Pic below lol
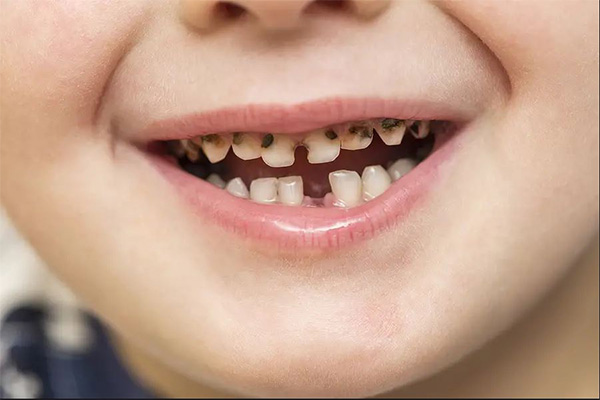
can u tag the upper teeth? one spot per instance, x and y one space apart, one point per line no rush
323 145
278 150
391 131
356 136
419 129
216 147
246 146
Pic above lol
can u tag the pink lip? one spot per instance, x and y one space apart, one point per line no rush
277 118
296 228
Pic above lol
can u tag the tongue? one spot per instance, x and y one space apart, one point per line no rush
316 176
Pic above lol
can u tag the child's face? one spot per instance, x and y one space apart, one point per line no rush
270 299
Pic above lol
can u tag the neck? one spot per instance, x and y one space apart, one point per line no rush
553 352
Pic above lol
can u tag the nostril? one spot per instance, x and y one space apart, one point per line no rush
327 5
229 10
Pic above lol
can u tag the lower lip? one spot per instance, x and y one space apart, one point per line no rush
297 228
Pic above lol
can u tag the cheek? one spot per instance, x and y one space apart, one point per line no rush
56 59
57 55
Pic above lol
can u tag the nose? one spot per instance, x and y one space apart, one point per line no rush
271 14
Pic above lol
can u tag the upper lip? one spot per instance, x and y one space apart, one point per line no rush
301 117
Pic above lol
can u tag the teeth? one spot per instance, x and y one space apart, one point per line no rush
238 188
356 137
216 147
277 150
346 187
246 146
192 152
290 190
196 140
216 180
419 129
322 145
264 190
375 181
391 131
400 168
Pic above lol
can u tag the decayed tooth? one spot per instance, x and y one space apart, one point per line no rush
264 190
401 167
197 141
391 131
192 152
290 190
346 187
375 181
216 147
238 188
322 145
277 150
419 129
246 145
356 136
216 180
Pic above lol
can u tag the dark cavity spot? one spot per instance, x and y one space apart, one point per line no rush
331 135
267 140
237 138
361 130
213 137
389 123
366 133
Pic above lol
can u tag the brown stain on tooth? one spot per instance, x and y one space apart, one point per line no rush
363 131
389 123
237 138
267 140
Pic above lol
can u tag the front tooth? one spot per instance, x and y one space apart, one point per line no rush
375 181
356 136
277 150
264 190
290 190
322 145
216 180
246 145
216 147
238 188
391 131
419 129
400 168
346 187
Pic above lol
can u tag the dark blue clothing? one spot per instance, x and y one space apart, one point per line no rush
31 365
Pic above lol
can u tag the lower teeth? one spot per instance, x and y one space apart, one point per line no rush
348 188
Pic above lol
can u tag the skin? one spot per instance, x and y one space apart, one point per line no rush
514 213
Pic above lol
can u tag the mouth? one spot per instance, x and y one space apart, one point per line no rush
347 176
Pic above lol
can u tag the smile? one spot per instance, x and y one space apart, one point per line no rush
279 176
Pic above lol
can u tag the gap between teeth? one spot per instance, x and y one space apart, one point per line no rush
348 188
323 145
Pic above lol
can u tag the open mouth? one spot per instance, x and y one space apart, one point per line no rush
305 176
344 165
